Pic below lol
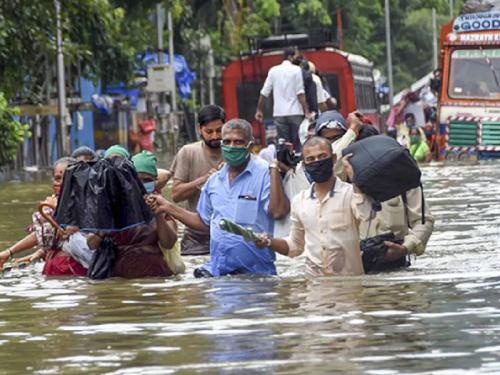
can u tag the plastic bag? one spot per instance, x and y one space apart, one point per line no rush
103 195
103 260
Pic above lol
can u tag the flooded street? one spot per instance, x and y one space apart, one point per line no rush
441 316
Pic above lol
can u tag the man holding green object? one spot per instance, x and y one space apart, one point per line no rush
245 191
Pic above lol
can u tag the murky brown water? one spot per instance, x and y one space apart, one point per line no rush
442 316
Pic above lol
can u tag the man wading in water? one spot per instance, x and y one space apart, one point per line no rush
244 191
325 218
192 167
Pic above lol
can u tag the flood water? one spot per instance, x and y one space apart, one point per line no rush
441 316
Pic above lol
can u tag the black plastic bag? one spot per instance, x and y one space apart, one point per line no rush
103 260
103 195
383 169
373 251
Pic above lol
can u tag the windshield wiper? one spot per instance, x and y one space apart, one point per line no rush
492 68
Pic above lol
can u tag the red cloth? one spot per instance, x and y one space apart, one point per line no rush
138 254
147 127
58 263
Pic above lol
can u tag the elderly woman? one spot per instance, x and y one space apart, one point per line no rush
43 236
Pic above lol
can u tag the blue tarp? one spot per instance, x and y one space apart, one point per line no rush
183 75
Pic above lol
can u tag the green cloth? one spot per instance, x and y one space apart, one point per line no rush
117 150
145 162
419 150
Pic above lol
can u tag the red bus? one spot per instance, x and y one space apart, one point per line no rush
348 78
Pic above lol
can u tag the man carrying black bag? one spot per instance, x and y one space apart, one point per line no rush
400 228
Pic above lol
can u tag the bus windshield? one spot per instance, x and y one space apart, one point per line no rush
475 74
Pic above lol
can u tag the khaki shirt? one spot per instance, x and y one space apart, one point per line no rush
327 230
392 218
338 146
193 161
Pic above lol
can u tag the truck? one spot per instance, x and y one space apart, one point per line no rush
468 84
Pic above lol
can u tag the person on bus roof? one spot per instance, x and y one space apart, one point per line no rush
290 106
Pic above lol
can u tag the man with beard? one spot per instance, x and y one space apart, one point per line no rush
192 167
325 217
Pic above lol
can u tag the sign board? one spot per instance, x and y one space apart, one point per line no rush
477 22
160 78
474 38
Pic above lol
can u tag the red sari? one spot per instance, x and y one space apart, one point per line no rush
60 263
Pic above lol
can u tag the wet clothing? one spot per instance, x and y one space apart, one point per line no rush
392 219
286 83
138 253
60 263
192 162
245 202
327 230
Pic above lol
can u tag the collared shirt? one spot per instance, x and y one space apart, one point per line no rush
286 83
320 95
327 230
245 202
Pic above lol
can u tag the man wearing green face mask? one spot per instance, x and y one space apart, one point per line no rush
246 191
419 148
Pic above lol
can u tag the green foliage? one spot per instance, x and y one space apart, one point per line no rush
12 132
103 37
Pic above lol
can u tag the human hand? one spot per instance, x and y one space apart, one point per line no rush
263 240
158 204
394 251
355 121
348 167
259 116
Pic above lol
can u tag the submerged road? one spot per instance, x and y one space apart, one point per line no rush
441 316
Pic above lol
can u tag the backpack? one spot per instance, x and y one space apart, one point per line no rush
383 169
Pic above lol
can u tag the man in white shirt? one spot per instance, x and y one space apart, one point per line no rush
325 218
286 83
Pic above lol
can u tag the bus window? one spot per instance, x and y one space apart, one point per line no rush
331 84
364 88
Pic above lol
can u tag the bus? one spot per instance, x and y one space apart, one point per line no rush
347 77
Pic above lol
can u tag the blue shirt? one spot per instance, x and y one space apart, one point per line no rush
245 202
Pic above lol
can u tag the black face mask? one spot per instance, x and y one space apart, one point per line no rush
320 170
213 143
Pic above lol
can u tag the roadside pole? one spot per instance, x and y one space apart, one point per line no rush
160 19
451 8
62 149
434 41
173 123
389 51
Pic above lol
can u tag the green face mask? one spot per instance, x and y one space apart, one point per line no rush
234 156
414 139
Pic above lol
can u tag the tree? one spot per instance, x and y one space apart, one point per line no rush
12 132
